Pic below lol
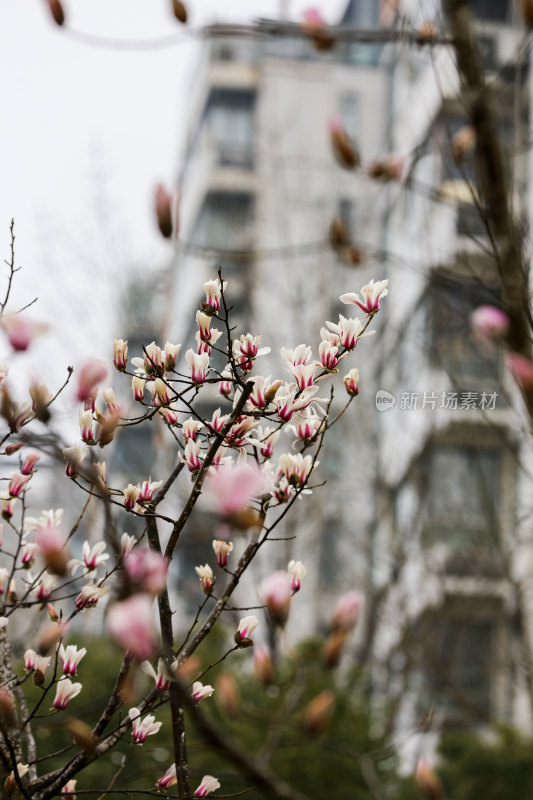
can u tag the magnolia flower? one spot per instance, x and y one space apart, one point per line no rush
213 293
329 355
28 551
92 556
204 345
351 382
205 573
296 571
151 363
163 392
246 627
131 624
110 400
489 323
45 587
316 28
295 468
263 392
428 780
7 507
246 349
208 785
199 691
120 354
170 354
138 386
349 331
266 440
4 575
161 678
304 374
190 428
371 295
21 331
263 665
89 596
142 728
287 403
147 490
29 463
71 657
74 457
168 779
347 610
127 544
147 569
275 591
66 691
86 426
222 550
521 369
233 485
10 783
169 414
224 387
218 420
70 787
198 364
90 375
131 495
204 324
33 660
191 455
17 483
306 427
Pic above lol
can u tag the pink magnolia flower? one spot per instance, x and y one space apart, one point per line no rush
233 485
295 468
4 575
246 349
66 691
198 364
224 387
45 587
127 543
21 331
247 625
110 400
70 787
33 660
94 556
162 392
191 455
17 483
90 375
304 374
307 426
131 495
131 624
138 385
222 550
275 591
168 779
347 610
349 331
161 678
371 295
190 428
205 573
237 436
10 783
142 728
218 420
521 369
170 354
11 449
205 345
489 322
204 324
29 463
169 414
213 293
263 392
329 355
70 657
147 490
86 426
28 551
208 785
351 382
263 665
266 440
74 457
120 354
296 571
147 569
200 692
89 596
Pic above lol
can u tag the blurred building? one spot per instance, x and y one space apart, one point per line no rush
260 189
451 561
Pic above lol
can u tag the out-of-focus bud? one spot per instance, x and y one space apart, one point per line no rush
317 714
188 669
105 432
21 331
338 233
344 147
57 12
41 397
52 613
179 11
387 169
275 591
13 448
49 636
81 734
147 569
131 624
8 710
428 781
90 375
227 693
316 28
426 33
463 143
263 665
332 649
521 369
526 9
163 210
10 784
489 323
347 610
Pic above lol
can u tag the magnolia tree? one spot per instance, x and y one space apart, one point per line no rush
254 457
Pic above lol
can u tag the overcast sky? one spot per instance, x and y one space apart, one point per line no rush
87 131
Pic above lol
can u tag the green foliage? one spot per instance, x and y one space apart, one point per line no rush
491 768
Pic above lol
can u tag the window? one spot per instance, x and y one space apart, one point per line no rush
230 119
457 666
452 345
225 221
462 506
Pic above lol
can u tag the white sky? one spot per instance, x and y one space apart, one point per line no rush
86 134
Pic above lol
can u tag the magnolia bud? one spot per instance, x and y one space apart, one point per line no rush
12 448
338 233
81 734
344 147
332 648
56 10
521 369
227 693
263 665
317 30
163 210
387 169
317 714
180 12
